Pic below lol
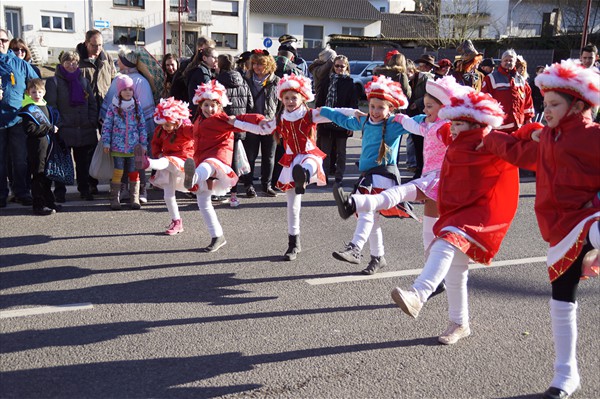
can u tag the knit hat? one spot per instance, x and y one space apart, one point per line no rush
123 82
297 83
327 54
488 62
385 88
445 88
129 59
474 107
211 91
288 47
570 77
170 110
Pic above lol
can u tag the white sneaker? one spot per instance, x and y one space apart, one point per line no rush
234 203
453 333
408 301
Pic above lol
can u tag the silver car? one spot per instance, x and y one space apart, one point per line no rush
361 73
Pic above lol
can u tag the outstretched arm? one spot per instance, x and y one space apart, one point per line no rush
349 122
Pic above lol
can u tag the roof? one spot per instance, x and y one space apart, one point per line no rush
328 9
407 25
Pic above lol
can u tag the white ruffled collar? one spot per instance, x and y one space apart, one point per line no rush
295 115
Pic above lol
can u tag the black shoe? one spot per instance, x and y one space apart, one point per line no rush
25 201
440 288
215 244
56 207
294 248
345 205
60 198
45 211
250 192
269 192
555 393
87 196
94 190
376 263
301 178
2 202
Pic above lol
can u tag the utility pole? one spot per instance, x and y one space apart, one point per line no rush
586 21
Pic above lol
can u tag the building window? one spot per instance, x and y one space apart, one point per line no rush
61 22
382 9
129 35
274 30
348 30
221 7
129 3
225 40
313 36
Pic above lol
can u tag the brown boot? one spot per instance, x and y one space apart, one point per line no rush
134 194
115 189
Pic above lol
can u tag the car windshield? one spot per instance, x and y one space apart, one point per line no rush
357 68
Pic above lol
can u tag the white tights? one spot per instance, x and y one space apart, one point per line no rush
203 172
445 261
168 190
294 202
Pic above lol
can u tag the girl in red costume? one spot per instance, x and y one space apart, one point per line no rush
565 158
477 199
172 144
209 172
302 162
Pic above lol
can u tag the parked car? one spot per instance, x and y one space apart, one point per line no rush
361 73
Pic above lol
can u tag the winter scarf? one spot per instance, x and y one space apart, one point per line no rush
76 93
331 99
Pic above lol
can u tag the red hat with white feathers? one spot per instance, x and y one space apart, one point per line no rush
385 88
297 83
572 78
170 110
475 107
211 91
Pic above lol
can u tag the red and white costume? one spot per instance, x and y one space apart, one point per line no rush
512 91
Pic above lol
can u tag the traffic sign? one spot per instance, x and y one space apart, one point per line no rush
101 24
267 42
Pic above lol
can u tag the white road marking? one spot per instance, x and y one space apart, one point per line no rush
416 272
44 309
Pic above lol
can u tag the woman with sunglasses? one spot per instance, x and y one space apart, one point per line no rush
21 50
336 91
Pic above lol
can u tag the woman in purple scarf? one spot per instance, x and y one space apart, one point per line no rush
72 95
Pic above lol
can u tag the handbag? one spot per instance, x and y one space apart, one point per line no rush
102 165
59 164
240 160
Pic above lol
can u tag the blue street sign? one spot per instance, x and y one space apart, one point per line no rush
100 24
267 42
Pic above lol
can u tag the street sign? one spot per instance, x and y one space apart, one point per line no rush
101 24
267 42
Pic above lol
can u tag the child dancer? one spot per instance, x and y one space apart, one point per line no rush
39 121
477 199
377 163
303 161
172 144
209 172
123 128
566 204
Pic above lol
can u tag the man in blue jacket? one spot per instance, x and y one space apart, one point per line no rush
15 73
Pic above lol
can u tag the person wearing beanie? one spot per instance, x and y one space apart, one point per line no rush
124 128
143 94
172 144
564 155
487 66
320 69
377 164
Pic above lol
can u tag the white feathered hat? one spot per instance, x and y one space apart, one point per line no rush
385 88
211 91
297 83
445 88
572 78
170 110
474 107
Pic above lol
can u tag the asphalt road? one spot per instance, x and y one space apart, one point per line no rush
162 320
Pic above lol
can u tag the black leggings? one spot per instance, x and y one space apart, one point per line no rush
564 288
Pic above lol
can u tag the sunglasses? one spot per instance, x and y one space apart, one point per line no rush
339 66
3 40
19 50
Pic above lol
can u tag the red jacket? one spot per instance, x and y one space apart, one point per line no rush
514 94
478 194
567 162
178 143
213 137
